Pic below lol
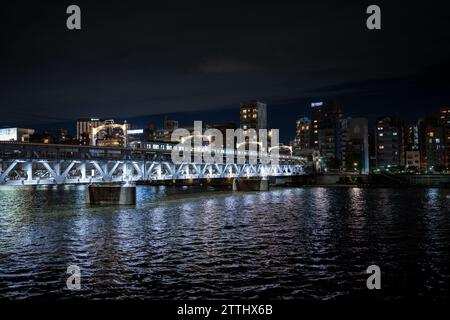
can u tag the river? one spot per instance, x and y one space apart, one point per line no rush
198 243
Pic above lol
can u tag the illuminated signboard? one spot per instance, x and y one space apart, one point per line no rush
316 104
136 131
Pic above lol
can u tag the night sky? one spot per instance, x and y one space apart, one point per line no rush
139 60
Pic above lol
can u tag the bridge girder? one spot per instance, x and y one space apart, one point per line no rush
37 172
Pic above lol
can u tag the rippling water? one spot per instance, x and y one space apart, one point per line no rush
299 243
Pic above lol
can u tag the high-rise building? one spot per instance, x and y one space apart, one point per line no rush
355 145
389 142
326 129
412 147
85 125
253 115
434 147
445 121
432 142
302 137
422 127
411 140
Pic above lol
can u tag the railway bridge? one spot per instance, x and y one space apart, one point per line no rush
24 164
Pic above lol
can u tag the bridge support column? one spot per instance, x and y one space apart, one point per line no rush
250 184
112 194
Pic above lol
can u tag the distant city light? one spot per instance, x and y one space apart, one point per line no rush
135 131
316 104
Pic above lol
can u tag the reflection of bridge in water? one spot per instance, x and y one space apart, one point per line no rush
35 164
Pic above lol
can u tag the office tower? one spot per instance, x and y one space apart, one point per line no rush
326 129
85 125
253 115
445 121
355 145
302 137
389 142
412 147
433 136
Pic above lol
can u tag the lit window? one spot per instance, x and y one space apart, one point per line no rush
381 147
380 134
394 133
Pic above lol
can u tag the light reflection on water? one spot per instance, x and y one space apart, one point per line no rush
312 243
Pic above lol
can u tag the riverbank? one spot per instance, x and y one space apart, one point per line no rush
373 180
325 180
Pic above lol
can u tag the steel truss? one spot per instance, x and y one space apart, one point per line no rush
36 172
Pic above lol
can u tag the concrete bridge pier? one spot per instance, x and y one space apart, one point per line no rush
281 181
112 194
250 184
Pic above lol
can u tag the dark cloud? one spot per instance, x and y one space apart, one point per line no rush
139 58
225 65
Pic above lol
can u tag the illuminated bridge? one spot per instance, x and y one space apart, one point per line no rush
39 164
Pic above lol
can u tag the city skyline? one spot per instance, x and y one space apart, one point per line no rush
216 117
338 142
